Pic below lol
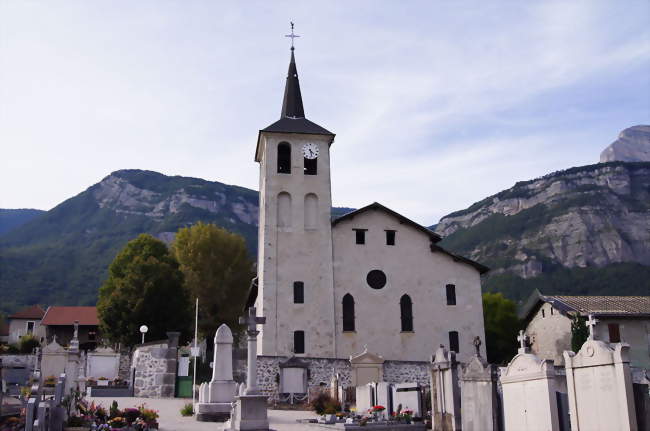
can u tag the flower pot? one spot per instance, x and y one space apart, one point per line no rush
102 382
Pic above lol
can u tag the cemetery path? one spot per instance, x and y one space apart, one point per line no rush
171 419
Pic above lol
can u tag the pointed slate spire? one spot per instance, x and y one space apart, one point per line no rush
292 103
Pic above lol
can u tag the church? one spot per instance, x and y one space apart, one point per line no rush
371 280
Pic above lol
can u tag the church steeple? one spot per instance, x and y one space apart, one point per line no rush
292 102
292 118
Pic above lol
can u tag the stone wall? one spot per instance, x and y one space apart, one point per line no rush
125 365
18 361
155 371
321 371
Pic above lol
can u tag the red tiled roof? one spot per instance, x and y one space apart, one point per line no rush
60 315
33 312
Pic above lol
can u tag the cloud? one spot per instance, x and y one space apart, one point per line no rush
435 104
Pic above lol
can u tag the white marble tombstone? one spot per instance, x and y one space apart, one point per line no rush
383 398
599 384
445 393
529 393
53 360
216 397
365 396
366 367
103 362
409 396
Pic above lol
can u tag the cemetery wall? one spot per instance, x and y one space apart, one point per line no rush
18 361
125 365
321 371
155 371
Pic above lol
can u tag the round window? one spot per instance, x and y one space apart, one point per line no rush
376 279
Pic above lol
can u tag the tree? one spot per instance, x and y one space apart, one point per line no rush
501 326
579 332
217 270
144 287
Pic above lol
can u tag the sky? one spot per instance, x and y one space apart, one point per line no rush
435 104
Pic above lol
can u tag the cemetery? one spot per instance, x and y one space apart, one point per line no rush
353 347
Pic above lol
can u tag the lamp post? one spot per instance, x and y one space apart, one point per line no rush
143 330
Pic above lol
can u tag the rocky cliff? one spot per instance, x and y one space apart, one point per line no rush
632 145
588 216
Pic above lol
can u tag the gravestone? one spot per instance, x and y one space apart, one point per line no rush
478 392
249 411
365 396
409 395
73 363
366 368
529 392
445 393
54 359
334 388
599 383
383 397
220 393
103 362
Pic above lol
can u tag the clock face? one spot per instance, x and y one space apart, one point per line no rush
310 151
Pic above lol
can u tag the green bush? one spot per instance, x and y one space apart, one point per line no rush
28 343
187 410
324 404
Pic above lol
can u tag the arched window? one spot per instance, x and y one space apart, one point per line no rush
284 209
406 308
348 312
311 211
284 158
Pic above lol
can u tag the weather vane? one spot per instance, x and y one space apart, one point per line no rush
292 35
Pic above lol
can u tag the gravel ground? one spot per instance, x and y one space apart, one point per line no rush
171 419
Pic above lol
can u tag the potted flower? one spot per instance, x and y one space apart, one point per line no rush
49 382
375 411
149 416
102 381
117 422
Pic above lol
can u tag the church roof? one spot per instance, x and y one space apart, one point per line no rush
434 237
292 117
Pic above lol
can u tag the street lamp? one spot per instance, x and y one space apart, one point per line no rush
143 330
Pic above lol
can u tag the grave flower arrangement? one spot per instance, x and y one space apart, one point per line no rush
377 409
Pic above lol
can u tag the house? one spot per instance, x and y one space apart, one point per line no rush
26 321
60 321
620 319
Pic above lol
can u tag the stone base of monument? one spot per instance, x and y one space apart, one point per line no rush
249 413
213 412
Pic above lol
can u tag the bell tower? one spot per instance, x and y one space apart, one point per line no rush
294 267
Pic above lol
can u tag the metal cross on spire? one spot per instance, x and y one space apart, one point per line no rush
292 35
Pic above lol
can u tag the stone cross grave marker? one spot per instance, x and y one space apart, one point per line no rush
251 321
591 324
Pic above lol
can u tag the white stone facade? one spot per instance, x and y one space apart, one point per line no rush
299 244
